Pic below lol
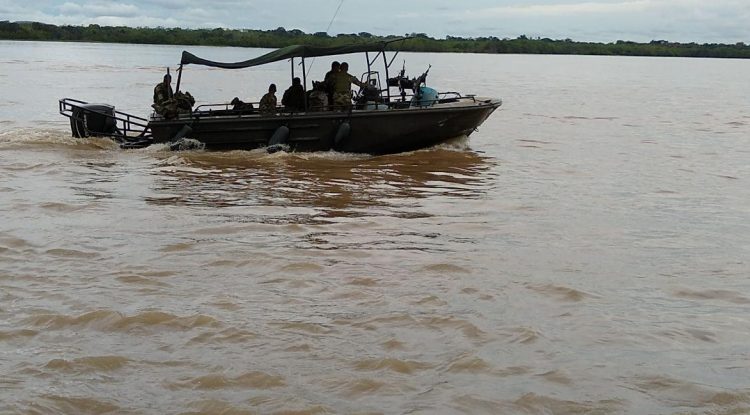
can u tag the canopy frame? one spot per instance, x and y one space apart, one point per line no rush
299 51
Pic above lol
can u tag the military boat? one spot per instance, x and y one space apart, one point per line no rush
391 114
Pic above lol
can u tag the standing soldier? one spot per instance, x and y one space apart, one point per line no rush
342 90
329 80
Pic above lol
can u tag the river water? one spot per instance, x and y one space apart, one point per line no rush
585 252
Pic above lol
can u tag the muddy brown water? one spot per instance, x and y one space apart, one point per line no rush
585 252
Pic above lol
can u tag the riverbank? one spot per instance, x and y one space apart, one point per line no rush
419 42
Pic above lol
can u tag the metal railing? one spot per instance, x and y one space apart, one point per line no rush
226 109
128 123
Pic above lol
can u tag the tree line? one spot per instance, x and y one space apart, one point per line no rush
418 42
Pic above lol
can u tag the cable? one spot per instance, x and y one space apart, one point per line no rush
334 16
336 13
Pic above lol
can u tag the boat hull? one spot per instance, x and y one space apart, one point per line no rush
360 131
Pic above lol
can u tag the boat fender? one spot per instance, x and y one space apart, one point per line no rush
342 133
279 136
185 130
278 140
179 142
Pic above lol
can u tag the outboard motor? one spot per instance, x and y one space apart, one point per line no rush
93 120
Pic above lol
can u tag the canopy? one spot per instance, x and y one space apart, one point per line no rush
294 51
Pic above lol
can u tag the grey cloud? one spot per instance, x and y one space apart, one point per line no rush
8 8
172 4
96 9
595 20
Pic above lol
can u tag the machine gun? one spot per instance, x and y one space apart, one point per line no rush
422 79
403 82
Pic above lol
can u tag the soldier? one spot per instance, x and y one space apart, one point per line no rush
335 66
342 90
240 105
317 99
294 97
268 102
328 80
162 94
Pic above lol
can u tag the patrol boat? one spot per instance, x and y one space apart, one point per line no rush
392 114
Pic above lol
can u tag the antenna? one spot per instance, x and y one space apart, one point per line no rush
336 13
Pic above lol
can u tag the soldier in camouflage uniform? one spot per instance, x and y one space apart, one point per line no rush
342 90
317 99
169 104
267 104
162 94
328 80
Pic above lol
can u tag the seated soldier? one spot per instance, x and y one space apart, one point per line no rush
240 105
317 99
162 94
294 97
267 105
169 104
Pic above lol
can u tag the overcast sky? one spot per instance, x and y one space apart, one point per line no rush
702 21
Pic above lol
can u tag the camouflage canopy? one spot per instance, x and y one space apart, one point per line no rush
294 51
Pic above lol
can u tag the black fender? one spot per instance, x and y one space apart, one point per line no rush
185 130
342 133
279 136
278 139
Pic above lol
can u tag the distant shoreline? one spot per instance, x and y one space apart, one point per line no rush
419 42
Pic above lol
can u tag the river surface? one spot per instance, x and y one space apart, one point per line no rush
587 251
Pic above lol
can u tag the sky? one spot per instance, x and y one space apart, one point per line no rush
700 21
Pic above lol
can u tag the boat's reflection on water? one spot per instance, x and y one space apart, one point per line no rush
334 184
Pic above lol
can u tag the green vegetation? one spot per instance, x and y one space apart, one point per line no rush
419 42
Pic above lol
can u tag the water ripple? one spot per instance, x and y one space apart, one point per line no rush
109 320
